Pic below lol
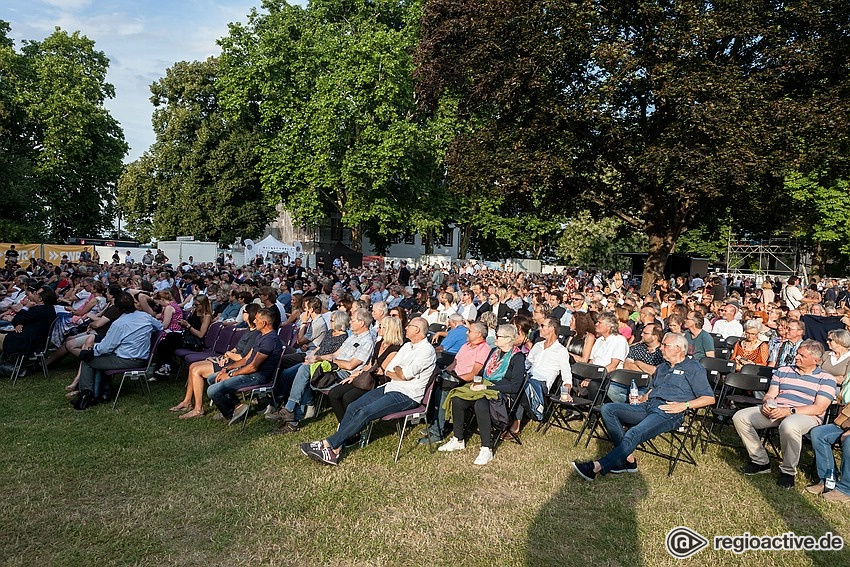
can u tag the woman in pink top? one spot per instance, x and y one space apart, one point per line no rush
170 316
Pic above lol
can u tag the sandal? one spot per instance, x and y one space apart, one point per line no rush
73 394
72 387
193 413
182 406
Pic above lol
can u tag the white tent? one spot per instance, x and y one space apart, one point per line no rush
271 245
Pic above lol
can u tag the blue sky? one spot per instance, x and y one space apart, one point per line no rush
141 38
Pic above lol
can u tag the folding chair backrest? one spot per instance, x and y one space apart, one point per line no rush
156 338
235 338
436 328
732 341
564 334
625 377
211 337
748 382
50 334
719 341
584 371
285 334
222 341
724 352
758 369
716 368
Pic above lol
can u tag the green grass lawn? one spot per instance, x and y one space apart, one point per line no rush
137 486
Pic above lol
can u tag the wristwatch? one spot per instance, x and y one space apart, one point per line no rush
793 411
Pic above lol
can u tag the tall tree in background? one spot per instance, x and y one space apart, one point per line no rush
199 177
332 88
655 111
62 148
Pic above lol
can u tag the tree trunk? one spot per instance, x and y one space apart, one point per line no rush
428 242
818 264
465 237
661 245
357 238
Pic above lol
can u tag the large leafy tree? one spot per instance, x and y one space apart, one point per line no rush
661 113
199 177
331 86
62 148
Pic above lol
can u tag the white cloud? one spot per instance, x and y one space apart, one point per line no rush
68 4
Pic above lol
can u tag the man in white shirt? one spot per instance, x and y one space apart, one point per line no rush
609 350
728 326
791 294
466 308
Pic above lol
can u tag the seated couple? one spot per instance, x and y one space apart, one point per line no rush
678 384
411 370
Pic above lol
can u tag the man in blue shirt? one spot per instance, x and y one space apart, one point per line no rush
255 369
679 384
454 338
126 345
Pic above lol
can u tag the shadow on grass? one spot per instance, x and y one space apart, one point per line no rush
796 508
589 523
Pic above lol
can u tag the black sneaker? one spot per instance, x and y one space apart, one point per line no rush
626 467
286 415
324 455
785 480
752 468
306 448
584 469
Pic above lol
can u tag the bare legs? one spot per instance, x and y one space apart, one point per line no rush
198 371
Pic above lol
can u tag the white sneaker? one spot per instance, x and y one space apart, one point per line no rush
452 445
485 455
310 412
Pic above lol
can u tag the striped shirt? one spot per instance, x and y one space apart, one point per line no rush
797 389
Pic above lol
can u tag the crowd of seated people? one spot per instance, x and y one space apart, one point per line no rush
336 315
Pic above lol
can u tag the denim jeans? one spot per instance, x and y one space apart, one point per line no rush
223 393
620 394
374 404
823 437
290 376
646 421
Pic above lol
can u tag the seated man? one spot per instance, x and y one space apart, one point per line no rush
645 356
411 370
679 384
546 360
126 344
453 338
796 401
354 353
727 326
256 368
468 363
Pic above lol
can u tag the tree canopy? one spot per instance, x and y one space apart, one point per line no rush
331 87
200 175
658 112
62 150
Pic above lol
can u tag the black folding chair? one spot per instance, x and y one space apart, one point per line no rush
728 402
512 401
624 378
563 412
716 369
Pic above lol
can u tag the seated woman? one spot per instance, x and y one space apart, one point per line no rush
31 324
825 436
199 371
751 349
581 342
505 370
330 344
412 369
390 339
170 316
623 326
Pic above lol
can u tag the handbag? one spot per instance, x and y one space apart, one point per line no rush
369 380
499 412
842 420
323 375
192 342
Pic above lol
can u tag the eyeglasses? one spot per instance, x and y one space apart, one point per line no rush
502 337
668 345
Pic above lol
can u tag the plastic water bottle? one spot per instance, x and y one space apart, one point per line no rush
633 394
829 481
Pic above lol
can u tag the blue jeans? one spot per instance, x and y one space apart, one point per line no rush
823 437
646 421
620 394
291 376
374 404
223 393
